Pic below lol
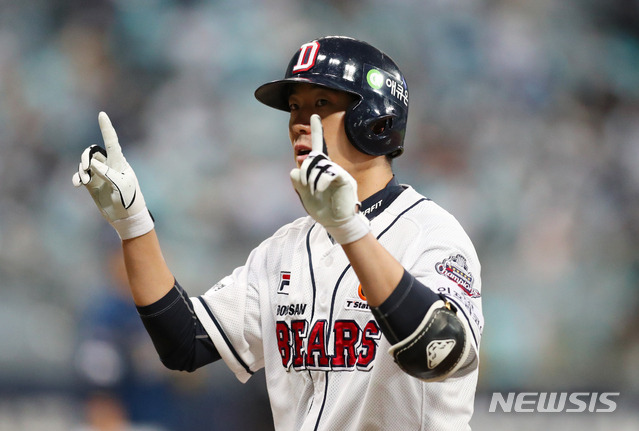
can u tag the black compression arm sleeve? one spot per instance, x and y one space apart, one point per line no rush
403 311
176 332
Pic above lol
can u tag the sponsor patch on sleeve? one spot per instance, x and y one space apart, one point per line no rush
455 268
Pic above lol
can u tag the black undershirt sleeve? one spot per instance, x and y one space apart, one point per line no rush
403 311
177 334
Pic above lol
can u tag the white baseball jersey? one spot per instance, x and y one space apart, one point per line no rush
296 308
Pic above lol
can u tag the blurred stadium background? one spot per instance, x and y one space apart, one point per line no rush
524 123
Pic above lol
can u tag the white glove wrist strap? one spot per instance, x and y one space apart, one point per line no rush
355 228
134 226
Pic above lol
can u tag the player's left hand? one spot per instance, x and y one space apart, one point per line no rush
328 192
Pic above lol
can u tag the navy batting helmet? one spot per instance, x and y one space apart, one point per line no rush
376 122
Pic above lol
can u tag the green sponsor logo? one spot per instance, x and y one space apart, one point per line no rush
375 79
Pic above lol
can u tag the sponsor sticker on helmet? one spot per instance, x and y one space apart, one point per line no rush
375 79
384 82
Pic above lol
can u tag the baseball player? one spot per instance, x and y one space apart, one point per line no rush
365 315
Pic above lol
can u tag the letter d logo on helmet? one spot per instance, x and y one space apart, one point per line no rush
376 122
306 58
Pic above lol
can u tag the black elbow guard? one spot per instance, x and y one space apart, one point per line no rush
437 348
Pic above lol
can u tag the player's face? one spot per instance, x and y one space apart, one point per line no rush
330 105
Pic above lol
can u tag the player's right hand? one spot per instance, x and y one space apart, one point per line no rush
328 192
113 185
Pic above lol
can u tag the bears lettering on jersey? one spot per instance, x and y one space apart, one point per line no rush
305 347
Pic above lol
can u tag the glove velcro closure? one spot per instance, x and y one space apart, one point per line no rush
134 226
437 348
355 228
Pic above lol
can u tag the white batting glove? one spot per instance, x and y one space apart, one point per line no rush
113 185
328 192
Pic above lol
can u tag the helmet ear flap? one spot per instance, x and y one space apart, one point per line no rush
374 135
382 124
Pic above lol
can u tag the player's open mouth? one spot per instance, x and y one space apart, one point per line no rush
301 155
301 152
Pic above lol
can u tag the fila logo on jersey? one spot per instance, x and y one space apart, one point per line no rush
306 347
456 269
285 281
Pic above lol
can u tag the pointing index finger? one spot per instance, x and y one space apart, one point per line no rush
114 152
317 134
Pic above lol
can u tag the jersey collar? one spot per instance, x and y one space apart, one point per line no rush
373 205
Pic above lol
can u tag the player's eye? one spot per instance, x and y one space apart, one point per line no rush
293 106
321 102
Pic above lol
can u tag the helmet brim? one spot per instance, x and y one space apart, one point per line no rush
275 93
